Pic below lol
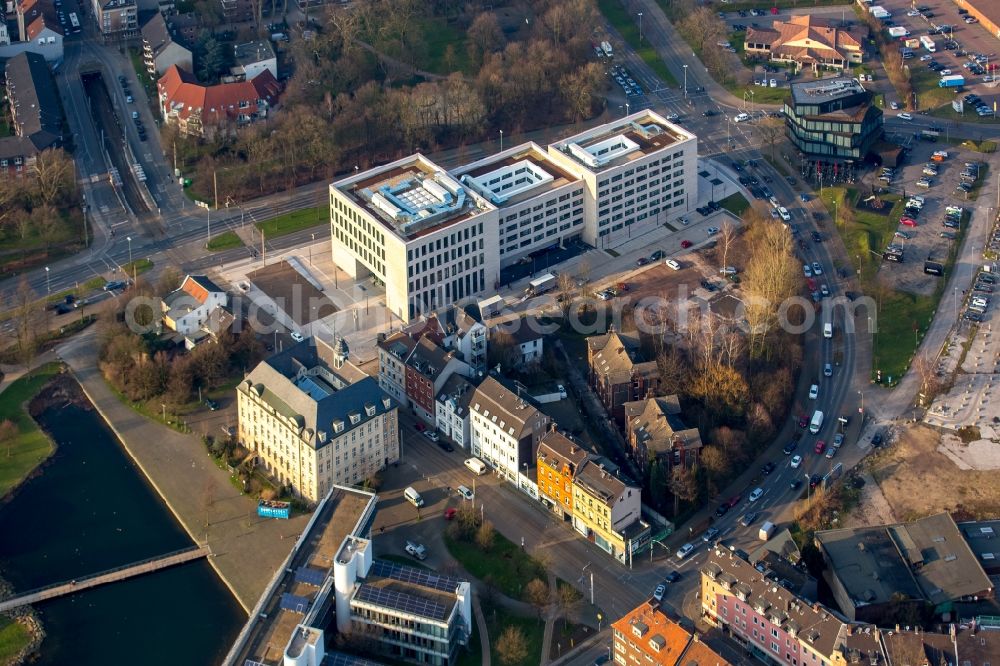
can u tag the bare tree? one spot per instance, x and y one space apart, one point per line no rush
8 433
568 598
727 235
485 536
511 646
683 486
54 175
770 278
771 130
27 313
536 593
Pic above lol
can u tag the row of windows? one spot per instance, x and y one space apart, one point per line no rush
457 254
443 242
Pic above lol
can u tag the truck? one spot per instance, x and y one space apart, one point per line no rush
606 47
911 42
952 81
897 31
879 12
766 531
928 44
541 285
816 423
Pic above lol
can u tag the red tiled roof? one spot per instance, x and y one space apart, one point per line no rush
818 35
35 27
219 102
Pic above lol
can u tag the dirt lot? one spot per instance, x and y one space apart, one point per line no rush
918 480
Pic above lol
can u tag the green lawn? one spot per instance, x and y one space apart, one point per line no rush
736 204
31 446
438 36
295 221
94 283
227 240
903 318
929 95
137 267
780 4
509 566
627 26
969 116
13 638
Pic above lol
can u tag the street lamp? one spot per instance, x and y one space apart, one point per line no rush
311 249
129 239
862 408
808 488
501 141
48 287
640 28
685 81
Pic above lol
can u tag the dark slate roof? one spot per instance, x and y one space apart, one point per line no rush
156 34
35 102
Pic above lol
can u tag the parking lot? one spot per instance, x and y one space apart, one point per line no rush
957 45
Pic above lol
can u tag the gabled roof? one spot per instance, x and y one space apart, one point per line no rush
398 344
559 452
199 287
37 26
600 484
460 390
428 359
657 425
646 626
515 415
35 102
615 358
805 37
32 10
157 34
182 93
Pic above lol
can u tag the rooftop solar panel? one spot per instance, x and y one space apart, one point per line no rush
310 576
294 602
341 659
415 576
400 601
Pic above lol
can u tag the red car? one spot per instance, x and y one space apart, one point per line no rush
733 501
812 284
803 421
908 221
449 514
820 447
420 426
685 244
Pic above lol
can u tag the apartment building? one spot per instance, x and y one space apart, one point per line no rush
618 373
309 426
204 111
116 18
427 238
38 31
428 367
607 511
540 203
559 458
433 238
455 330
646 635
638 172
190 306
35 111
405 613
654 431
160 47
392 354
252 58
453 420
505 429
775 625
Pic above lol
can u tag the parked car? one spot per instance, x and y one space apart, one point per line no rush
796 461
684 551
756 494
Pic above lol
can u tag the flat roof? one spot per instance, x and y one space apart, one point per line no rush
339 517
412 196
622 141
825 90
409 590
515 175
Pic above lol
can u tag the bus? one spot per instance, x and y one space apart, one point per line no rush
928 43
74 21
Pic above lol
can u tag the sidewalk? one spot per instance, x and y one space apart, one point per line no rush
246 550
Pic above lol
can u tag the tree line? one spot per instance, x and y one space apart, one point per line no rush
354 98
35 205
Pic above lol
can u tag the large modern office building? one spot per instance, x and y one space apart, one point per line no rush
434 238
833 120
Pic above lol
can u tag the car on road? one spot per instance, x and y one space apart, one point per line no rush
756 494
815 480
673 263
817 268
803 420
733 501
768 468
128 99
807 270
796 461
660 590
816 236
791 446
465 493
722 510
416 550
824 289
710 534
686 244
673 577
684 551
827 370
831 452
905 116
820 447
813 391
641 261
450 513
838 440
656 256
432 435
748 519
295 335
795 484
211 404
445 446
709 113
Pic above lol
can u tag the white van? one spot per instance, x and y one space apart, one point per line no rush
827 330
766 530
741 117
413 497
477 466
817 422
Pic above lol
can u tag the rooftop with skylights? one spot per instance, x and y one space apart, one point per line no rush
514 175
614 144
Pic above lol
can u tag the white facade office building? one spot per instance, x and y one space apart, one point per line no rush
638 172
434 238
428 239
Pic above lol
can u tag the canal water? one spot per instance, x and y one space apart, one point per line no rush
89 510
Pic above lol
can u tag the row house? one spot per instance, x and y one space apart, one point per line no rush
646 635
607 512
35 110
655 431
203 111
161 48
505 429
116 18
428 367
559 459
393 350
452 406
618 374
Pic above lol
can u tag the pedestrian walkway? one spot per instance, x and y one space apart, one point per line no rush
248 549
